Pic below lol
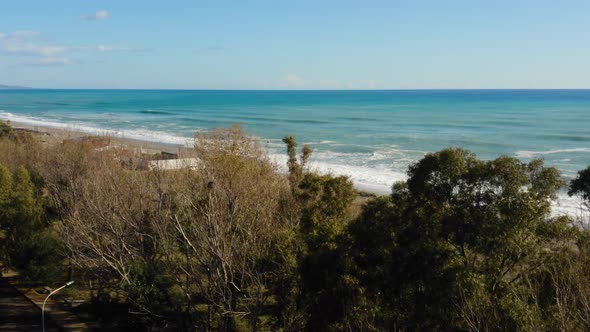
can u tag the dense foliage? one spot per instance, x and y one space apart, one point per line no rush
581 185
28 242
461 245
232 245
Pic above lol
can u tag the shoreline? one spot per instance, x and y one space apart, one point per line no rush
564 205
53 135
56 134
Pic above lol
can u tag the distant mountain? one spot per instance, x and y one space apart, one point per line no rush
12 87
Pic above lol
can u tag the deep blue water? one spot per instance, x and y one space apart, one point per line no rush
370 135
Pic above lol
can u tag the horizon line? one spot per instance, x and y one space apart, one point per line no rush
300 90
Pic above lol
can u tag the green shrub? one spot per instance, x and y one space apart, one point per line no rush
40 257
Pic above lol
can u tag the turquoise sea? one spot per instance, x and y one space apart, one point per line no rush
371 136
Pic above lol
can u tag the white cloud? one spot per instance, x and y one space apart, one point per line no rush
19 42
22 34
25 43
50 61
33 49
111 48
293 81
209 49
100 15
104 48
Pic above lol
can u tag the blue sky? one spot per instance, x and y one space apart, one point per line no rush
320 44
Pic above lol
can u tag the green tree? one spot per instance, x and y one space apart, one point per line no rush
40 256
28 244
455 244
5 195
580 185
324 202
296 167
21 214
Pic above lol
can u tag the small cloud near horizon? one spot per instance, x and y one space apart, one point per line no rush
50 61
293 81
100 15
111 48
19 34
20 42
25 43
212 48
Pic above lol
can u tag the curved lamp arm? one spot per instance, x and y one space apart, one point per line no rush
69 283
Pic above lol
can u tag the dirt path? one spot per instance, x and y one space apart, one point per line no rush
17 313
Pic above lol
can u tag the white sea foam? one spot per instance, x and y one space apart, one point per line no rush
321 142
136 134
532 154
572 206
380 181
375 178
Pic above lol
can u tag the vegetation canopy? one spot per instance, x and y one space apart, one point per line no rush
230 244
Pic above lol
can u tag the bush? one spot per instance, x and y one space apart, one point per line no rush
6 130
40 257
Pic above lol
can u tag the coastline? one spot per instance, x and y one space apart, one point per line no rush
564 205
52 135
372 137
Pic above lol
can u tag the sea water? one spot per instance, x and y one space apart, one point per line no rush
371 136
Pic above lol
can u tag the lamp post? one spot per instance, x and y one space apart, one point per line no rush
69 283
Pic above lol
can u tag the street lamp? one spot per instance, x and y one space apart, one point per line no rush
68 284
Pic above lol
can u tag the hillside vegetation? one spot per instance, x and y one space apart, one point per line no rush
233 245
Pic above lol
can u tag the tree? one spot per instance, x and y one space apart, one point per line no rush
40 256
230 220
324 202
110 228
5 195
21 216
369 251
29 245
581 186
296 167
458 242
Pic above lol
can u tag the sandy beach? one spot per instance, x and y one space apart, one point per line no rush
51 135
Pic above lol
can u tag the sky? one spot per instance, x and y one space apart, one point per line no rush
279 44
